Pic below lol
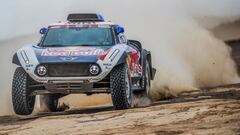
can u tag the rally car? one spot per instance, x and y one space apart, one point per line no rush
84 55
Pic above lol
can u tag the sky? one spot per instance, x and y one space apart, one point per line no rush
25 17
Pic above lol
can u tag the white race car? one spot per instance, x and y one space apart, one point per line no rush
83 55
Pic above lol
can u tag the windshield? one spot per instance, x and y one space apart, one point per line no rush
78 37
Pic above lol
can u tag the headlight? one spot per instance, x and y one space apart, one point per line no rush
24 56
41 70
94 69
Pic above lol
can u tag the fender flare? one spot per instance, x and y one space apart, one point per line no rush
15 60
123 59
145 55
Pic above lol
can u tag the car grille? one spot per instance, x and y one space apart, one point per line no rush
68 70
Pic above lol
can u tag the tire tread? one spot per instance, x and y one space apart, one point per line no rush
19 92
118 88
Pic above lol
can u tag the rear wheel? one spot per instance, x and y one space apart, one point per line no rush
147 80
142 98
122 96
23 102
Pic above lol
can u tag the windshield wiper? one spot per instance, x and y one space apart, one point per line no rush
85 45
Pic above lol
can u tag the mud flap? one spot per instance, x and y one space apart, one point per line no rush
153 73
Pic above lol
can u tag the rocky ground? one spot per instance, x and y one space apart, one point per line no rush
209 111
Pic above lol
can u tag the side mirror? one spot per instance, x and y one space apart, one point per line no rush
119 29
43 30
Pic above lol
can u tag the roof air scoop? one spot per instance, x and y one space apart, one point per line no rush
85 18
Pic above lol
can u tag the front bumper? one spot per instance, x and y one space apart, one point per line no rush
89 79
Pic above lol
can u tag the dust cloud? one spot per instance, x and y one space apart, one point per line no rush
185 52
81 100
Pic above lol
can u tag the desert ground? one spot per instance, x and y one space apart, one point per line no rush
207 111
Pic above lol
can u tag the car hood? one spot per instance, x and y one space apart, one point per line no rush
79 54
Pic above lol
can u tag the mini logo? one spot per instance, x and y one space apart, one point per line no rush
68 58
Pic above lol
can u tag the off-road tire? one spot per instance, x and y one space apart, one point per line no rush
119 87
51 102
147 78
23 103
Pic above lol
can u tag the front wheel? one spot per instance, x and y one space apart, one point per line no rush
122 95
51 101
23 101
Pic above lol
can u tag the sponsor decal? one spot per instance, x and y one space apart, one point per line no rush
133 62
29 65
79 26
72 51
107 64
